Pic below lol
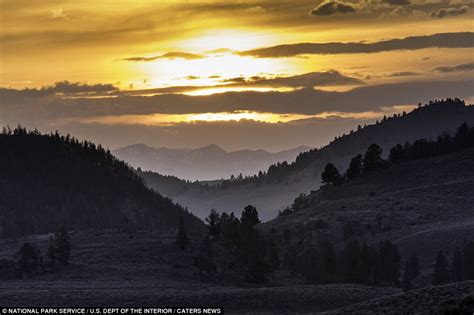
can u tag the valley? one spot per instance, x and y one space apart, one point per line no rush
145 269
276 188
370 239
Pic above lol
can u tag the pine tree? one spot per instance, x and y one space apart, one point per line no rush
51 252
461 138
182 240
407 277
456 266
414 264
328 261
397 154
373 158
204 258
249 217
468 261
213 223
62 246
389 263
27 262
440 270
411 271
355 168
274 255
230 229
330 175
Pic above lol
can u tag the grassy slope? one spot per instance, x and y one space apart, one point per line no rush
431 300
120 269
429 207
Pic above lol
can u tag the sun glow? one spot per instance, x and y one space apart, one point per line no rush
238 115
223 89
210 70
233 39
218 61
172 119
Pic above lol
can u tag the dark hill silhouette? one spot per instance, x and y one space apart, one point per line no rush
50 180
276 188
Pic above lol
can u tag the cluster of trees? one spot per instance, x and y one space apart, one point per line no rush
51 179
421 148
357 262
353 263
459 269
241 242
370 161
30 259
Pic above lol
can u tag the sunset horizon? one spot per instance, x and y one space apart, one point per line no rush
215 72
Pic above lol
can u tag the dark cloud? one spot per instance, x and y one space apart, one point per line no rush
235 80
451 11
463 67
68 115
328 78
170 55
63 88
67 87
311 79
329 8
402 74
397 2
398 11
21 105
441 40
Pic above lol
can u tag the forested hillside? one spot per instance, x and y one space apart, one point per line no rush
420 199
50 180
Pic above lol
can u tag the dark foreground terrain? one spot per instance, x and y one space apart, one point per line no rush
143 269
454 298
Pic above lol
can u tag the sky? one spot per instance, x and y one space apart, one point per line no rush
241 74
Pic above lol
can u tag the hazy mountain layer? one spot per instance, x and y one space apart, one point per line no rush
278 187
206 163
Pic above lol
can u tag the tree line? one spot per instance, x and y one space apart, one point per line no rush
422 148
30 261
354 262
460 267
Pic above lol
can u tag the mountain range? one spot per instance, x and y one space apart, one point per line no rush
205 163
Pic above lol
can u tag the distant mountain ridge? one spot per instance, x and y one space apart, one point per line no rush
204 163
282 182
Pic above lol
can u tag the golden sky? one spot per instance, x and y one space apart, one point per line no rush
130 50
